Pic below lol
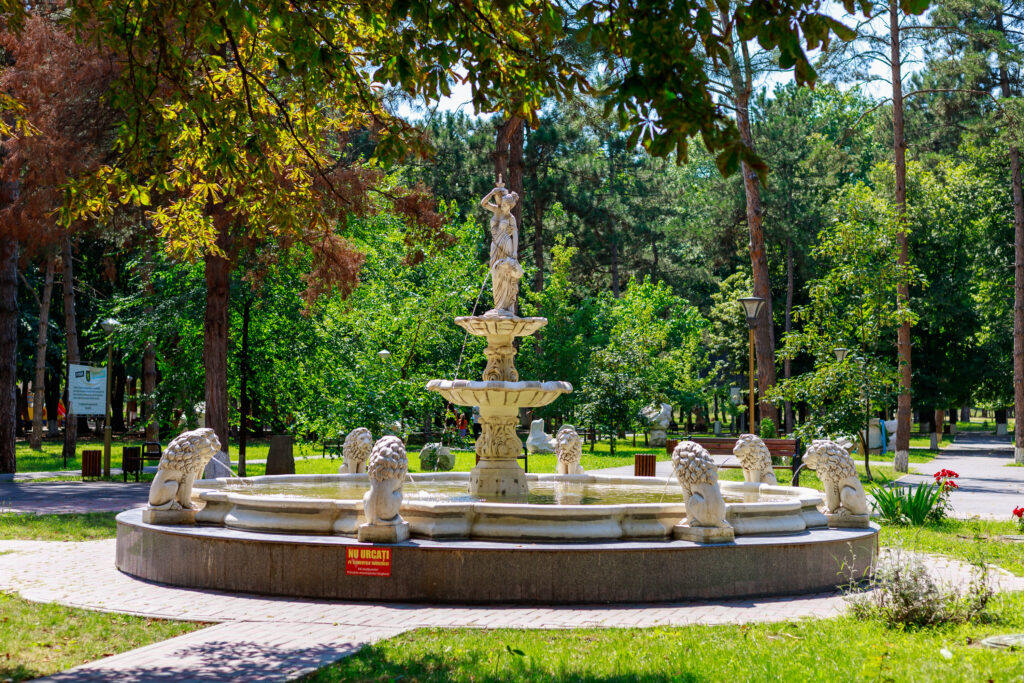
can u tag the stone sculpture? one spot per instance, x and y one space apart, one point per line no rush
705 507
505 269
539 441
387 468
436 458
660 417
170 494
845 502
569 450
355 451
755 458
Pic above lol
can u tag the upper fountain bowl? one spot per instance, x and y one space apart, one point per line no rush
465 392
500 325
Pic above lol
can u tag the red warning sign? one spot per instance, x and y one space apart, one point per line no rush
368 561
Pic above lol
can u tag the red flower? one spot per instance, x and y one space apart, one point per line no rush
1018 512
950 485
945 474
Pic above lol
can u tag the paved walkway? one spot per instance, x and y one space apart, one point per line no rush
275 639
988 488
72 496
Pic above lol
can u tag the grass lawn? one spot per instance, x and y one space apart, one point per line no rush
41 639
968 540
88 526
49 459
838 649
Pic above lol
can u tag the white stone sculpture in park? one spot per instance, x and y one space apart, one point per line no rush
569 450
355 451
845 502
705 507
170 494
387 468
660 417
505 269
755 459
539 441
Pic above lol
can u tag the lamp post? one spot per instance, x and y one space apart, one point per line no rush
752 308
110 326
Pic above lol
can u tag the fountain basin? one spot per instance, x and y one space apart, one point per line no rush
754 509
500 326
495 394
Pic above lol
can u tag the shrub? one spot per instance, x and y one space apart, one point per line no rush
768 430
902 593
896 504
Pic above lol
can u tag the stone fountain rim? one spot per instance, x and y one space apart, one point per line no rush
497 385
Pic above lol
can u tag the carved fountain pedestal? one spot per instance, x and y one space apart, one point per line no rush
499 395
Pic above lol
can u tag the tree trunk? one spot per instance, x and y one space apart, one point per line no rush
8 353
901 459
538 244
741 76
39 383
243 421
508 161
1018 271
53 389
149 416
71 334
787 367
215 345
117 390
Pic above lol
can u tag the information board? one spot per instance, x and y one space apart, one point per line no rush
368 561
87 390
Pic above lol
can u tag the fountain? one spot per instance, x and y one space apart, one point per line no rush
500 395
497 534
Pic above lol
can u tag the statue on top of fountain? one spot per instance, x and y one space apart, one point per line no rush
505 269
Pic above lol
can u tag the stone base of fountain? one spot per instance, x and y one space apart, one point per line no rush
848 521
468 571
151 516
704 534
499 478
383 533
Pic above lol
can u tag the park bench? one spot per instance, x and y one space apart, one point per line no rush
779 448
131 462
333 449
152 451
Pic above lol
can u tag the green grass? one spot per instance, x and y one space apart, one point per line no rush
86 526
925 441
41 639
837 649
49 459
968 540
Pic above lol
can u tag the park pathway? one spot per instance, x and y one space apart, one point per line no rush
259 638
988 486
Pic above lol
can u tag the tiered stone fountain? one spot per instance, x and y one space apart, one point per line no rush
311 535
500 395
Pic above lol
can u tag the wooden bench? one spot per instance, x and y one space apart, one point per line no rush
333 449
779 448
152 451
131 462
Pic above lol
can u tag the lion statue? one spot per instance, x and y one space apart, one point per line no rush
356 450
844 495
698 475
569 449
387 467
182 461
755 459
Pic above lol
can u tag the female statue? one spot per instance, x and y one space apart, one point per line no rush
505 268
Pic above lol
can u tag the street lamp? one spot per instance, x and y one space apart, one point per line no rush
110 326
383 354
752 307
841 353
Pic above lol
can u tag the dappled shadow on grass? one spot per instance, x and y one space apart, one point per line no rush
497 665
17 672
67 527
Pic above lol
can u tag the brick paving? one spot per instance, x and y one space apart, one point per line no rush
260 638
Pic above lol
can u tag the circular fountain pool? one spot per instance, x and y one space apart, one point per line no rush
559 507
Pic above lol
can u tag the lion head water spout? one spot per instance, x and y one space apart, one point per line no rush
500 395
